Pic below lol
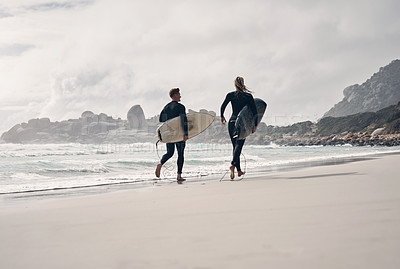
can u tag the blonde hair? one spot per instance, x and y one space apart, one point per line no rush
240 87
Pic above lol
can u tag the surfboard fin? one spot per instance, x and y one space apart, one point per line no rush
159 135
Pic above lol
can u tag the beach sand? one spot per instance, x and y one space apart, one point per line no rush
337 216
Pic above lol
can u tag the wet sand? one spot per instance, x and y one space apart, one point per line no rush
337 216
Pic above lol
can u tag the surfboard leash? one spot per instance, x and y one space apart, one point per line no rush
245 167
224 176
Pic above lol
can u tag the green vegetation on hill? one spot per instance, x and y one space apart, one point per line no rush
299 128
388 117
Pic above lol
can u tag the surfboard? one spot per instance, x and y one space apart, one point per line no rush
171 131
245 119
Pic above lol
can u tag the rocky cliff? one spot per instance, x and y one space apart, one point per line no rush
380 91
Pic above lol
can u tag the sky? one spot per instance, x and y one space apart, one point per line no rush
61 58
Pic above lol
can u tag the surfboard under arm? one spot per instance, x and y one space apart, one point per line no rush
171 131
245 119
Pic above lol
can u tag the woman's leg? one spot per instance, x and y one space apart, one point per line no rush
236 154
231 130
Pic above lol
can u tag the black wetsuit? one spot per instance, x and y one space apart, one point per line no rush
172 110
238 100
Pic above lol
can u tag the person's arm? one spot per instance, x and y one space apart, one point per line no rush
163 116
253 108
182 114
223 106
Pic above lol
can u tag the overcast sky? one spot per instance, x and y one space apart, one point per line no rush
60 58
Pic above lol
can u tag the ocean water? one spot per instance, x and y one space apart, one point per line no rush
34 168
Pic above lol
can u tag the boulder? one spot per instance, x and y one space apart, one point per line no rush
42 123
136 119
103 117
87 114
378 131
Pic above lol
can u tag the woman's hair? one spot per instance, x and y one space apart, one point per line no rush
240 87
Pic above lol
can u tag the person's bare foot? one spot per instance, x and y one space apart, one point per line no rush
158 170
232 168
180 179
240 173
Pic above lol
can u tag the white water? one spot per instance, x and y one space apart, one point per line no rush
31 168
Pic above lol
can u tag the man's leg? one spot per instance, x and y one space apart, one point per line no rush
180 147
165 158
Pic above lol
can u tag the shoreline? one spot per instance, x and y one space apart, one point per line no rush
336 216
77 191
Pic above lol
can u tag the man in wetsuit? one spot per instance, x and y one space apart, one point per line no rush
171 110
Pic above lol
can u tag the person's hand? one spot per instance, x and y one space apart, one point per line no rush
185 138
254 129
223 120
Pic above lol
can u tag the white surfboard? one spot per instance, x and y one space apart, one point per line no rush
171 131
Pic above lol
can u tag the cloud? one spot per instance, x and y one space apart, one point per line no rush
106 56
4 14
49 6
99 90
15 49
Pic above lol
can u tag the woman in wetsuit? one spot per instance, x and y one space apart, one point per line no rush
239 99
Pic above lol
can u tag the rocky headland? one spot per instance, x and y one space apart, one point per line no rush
370 128
379 91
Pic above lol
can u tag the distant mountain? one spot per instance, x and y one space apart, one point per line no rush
380 91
